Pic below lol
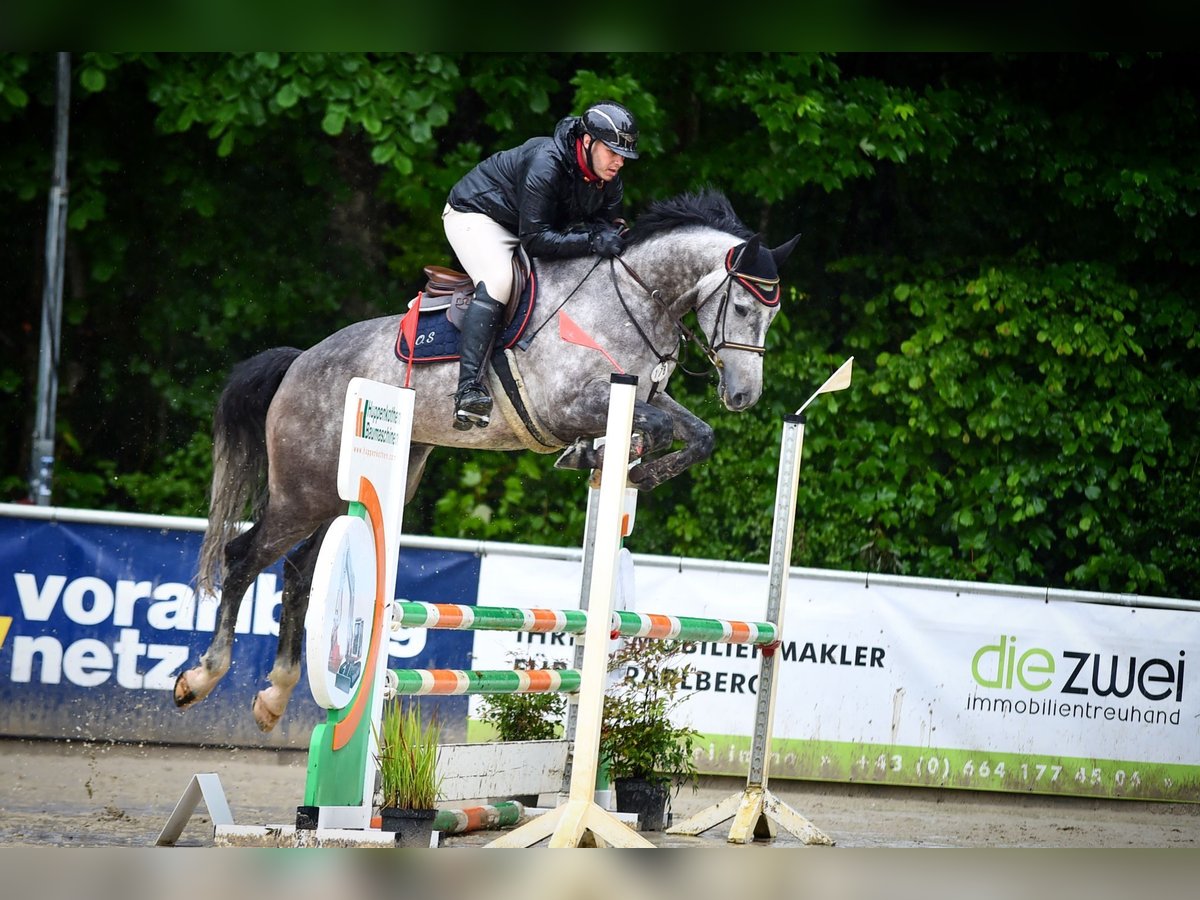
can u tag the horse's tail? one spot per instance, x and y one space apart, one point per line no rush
239 454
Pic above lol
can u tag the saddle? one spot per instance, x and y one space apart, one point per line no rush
444 302
452 290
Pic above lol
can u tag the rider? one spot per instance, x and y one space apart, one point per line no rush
558 197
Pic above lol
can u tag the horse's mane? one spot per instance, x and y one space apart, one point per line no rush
708 207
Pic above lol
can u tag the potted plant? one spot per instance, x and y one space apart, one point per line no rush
647 752
408 778
523 717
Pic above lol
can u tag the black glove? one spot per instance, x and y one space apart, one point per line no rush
607 241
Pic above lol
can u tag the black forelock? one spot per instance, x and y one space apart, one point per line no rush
708 207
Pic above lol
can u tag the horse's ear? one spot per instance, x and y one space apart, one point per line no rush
783 251
747 253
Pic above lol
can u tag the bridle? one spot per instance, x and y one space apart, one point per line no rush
765 290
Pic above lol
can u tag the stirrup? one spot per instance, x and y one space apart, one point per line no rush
473 407
465 421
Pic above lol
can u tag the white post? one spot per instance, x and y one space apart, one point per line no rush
600 593
580 821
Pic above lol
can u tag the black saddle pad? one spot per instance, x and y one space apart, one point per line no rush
437 339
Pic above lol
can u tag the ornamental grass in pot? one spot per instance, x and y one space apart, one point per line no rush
408 777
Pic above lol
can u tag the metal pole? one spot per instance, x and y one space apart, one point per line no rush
41 470
791 447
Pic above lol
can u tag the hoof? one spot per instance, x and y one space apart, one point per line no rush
643 479
183 694
264 717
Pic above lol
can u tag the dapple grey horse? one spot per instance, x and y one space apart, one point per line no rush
280 414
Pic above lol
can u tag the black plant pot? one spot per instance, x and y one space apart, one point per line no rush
646 798
413 827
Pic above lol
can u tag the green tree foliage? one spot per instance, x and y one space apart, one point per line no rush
1007 244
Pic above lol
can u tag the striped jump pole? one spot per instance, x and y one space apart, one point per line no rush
449 682
692 628
474 818
410 614
457 617
478 818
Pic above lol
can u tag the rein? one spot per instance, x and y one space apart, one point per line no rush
656 295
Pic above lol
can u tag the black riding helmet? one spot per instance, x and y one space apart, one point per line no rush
614 125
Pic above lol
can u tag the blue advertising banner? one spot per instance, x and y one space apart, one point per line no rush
97 620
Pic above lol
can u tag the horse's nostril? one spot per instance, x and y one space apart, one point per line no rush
733 399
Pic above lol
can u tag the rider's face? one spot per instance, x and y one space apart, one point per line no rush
605 162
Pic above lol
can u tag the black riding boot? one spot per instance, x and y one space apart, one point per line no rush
472 404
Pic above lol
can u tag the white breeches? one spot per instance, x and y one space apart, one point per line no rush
485 249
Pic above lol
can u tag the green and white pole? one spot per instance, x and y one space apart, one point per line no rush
453 682
624 623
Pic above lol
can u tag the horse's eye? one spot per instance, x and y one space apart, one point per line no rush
742 309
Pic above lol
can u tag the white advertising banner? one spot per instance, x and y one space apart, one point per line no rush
908 681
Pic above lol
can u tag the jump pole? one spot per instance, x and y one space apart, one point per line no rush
581 822
756 811
625 623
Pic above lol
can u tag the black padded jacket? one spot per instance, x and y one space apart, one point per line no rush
538 192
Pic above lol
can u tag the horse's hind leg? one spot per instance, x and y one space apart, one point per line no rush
270 703
243 558
418 455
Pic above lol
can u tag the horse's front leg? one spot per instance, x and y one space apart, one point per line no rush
652 430
270 703
695 434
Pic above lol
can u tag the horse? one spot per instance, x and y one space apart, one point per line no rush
279 417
